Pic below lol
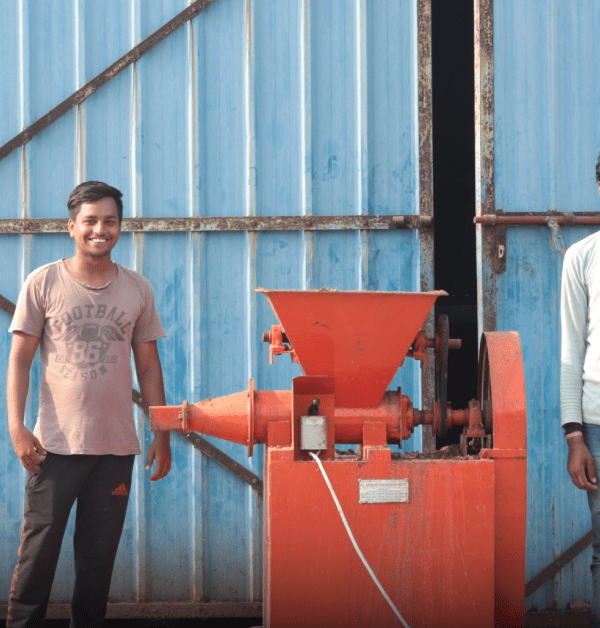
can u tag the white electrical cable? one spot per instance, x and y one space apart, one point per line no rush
360 554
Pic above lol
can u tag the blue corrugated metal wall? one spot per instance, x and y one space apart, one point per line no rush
267 107
546 138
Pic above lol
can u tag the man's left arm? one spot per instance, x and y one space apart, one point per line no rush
574 308
149 374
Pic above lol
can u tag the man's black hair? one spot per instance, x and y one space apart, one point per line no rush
598 170
90 191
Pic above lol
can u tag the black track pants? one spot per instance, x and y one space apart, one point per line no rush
101 485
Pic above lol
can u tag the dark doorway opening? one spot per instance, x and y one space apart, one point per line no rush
453 80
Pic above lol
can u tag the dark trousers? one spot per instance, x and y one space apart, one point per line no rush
101 486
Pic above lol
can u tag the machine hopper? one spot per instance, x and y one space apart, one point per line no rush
359 338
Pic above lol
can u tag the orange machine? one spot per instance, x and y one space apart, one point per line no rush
442 540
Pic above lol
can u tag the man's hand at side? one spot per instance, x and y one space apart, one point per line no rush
27 447
149 372
580 464
159 450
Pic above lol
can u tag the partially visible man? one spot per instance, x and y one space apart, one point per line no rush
87 314
580 378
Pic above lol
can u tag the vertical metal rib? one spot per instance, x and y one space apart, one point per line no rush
425 129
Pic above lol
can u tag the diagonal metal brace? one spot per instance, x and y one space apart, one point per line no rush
558 563
201 444
7 306
104 77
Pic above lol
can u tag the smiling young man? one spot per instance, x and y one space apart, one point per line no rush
87 314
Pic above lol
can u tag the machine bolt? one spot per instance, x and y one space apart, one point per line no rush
314 409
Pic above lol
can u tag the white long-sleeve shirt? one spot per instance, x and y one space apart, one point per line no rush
580 339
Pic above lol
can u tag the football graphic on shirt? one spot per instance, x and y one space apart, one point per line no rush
87 344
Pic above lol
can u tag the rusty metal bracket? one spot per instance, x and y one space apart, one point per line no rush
556 236
229 223
104 77
278 344
494 244
411 221
558 563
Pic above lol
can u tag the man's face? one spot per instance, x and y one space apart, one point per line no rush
96 228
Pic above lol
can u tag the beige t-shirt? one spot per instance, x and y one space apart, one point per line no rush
85 349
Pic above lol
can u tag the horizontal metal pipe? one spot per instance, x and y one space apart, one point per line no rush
229 223
539 219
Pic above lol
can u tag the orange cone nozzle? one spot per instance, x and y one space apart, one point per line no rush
360 338
238 418
224 417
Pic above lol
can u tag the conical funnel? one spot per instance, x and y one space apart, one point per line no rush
360 338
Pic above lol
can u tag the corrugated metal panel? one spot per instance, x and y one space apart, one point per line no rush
544 142
267 108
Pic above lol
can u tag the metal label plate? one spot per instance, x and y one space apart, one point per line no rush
382 491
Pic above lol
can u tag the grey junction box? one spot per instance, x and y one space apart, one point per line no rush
313 433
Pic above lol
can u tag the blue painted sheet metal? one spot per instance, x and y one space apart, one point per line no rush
545 142
269 108
547 129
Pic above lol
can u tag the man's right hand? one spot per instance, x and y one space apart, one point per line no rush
28 448
581 465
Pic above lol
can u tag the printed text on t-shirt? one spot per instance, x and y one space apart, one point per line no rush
87 335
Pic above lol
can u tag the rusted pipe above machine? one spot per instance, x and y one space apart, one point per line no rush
514 219
142 224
